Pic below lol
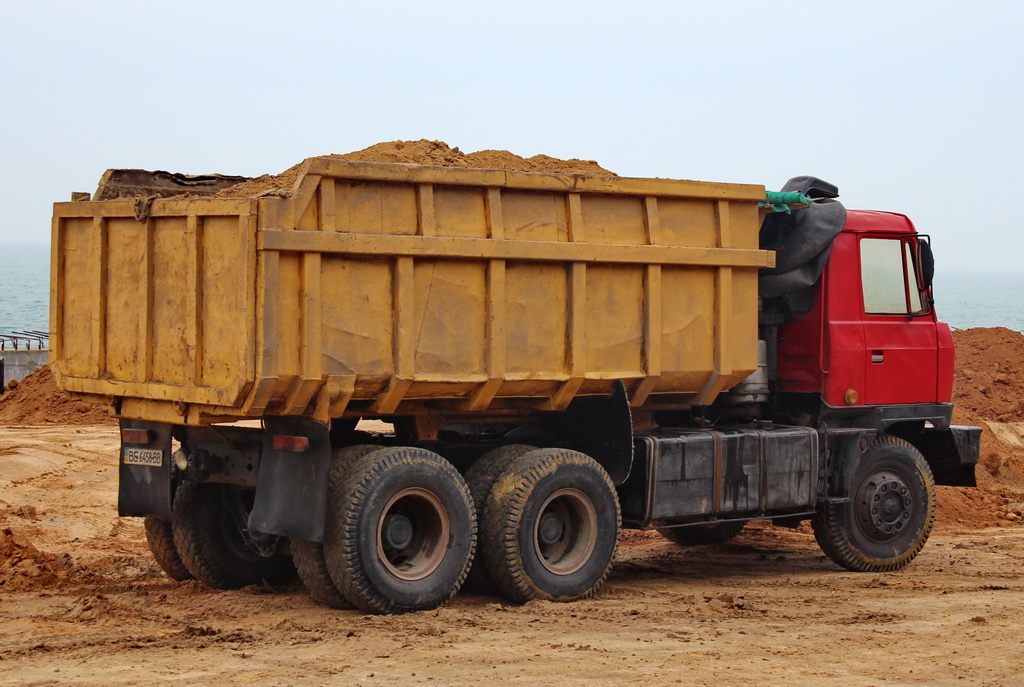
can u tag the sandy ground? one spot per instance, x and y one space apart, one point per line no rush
83 604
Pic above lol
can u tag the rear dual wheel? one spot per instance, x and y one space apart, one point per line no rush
550 527
481 477
401 530
160 538
209 522
309 555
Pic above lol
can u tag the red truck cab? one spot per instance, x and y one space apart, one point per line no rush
871 337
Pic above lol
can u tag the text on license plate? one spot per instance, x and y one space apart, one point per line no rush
144 456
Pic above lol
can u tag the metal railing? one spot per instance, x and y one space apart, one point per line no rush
24 340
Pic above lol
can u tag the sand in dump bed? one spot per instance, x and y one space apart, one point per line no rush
422 152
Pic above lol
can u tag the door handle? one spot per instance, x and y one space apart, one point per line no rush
877 357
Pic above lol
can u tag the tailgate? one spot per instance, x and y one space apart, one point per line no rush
159 308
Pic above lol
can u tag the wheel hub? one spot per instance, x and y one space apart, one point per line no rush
565 534
413 533
551 529
884 505
397 531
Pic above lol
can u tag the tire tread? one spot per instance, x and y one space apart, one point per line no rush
309 555
503 515
160 538
350 489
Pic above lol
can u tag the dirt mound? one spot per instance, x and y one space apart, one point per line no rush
24 567
422 152
36 400
989 375
987 388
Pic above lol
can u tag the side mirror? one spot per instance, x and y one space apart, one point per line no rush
927 259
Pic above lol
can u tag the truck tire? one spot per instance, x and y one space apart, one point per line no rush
550 527
208 524
309 555
160 538
480 478
889 515
701 535
402 531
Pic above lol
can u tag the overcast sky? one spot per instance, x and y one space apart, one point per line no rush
913 107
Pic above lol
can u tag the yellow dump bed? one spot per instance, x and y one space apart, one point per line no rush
391 289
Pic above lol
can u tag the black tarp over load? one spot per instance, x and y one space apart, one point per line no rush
802 242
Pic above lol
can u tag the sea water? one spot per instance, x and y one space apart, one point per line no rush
963 298
24 287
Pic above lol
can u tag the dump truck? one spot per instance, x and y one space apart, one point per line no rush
550 358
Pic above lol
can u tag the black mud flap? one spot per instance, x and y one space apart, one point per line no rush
952 453
145 484
291 490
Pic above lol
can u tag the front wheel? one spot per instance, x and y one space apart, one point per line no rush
550 527
890 514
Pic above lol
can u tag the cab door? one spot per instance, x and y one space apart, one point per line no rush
900 336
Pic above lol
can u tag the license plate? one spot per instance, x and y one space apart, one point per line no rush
149 457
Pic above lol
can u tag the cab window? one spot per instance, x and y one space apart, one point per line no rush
889 277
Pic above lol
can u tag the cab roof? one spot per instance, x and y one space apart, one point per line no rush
873 221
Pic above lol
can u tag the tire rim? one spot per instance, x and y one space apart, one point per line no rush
884 505
565 533
412 534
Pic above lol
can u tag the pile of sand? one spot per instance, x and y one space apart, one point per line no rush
989 375
36 400
23 566
422 152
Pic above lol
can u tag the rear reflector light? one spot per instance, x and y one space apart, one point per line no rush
294 444
136 436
